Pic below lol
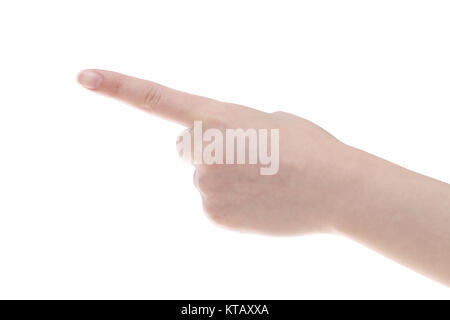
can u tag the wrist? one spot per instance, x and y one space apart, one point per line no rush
360 175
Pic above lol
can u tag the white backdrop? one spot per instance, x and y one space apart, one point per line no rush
94 201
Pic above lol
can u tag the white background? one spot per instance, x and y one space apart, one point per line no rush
94 201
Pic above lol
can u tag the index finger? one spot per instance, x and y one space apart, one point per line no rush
172 104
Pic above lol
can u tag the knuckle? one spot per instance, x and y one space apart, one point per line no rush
282 115
118 86
214 213
209 182
152 97
202 181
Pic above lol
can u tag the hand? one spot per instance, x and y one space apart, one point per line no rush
306 193
319 184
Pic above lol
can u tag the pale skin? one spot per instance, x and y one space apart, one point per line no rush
323 185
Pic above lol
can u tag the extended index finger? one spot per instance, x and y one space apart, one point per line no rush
172 104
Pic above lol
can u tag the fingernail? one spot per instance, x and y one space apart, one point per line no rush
90 79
